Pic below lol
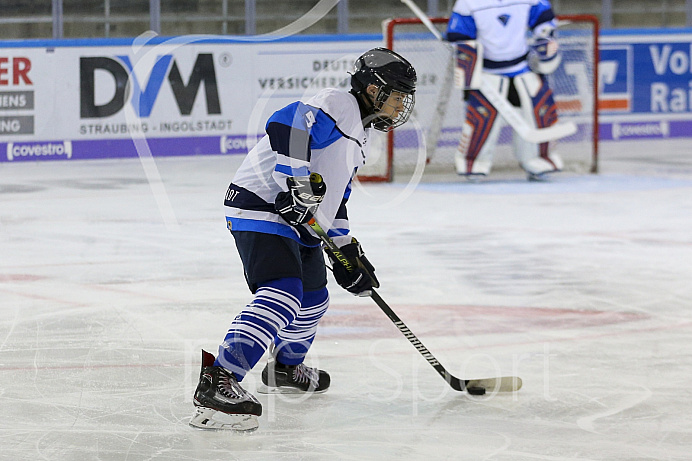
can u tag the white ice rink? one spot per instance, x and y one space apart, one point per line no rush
111 282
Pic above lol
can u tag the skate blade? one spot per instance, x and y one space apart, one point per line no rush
472 178
209 419
286 390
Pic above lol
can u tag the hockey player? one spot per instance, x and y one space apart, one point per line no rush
302 168
519 48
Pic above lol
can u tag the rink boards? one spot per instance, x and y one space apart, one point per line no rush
199 95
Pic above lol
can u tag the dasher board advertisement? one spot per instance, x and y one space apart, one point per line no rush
177 96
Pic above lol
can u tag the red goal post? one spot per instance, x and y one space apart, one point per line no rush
428 141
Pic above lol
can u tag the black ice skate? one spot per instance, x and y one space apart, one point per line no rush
220 401
292 379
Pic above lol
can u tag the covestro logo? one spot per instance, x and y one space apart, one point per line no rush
26 151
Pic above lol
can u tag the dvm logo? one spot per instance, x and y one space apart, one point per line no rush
143 97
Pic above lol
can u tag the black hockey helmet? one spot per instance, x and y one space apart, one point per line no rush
389 72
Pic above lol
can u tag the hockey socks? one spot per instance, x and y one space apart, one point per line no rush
287 374
292 343
276 305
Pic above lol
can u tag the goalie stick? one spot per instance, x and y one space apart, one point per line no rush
506 110
472 386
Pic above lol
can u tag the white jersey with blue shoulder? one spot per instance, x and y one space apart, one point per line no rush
501 27
322 135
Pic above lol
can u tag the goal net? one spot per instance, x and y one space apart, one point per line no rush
429 140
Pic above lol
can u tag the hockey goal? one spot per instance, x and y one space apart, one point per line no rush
430 138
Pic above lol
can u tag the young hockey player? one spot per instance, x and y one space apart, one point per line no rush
519 49
302 168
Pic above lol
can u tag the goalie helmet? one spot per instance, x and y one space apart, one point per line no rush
388 71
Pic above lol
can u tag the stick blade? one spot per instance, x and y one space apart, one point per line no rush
511 115
501 384
551 133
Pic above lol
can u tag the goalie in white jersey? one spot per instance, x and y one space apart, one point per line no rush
302 168
518 49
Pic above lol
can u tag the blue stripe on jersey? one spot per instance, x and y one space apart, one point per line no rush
461 28
337 232
517 72
540 13
264 227
288 171
324 131
347 193
297 128
270 227
294 115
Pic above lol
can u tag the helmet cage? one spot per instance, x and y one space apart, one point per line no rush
383 122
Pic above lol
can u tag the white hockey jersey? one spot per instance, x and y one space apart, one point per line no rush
322 135
501 27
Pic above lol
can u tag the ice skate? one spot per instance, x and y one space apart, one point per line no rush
536 177
278 378
539 177
473 178
220 401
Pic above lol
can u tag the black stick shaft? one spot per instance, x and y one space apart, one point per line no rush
456 383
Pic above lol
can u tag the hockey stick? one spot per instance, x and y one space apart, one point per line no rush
438 116
472 386
506 110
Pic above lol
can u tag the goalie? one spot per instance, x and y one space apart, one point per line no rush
511 46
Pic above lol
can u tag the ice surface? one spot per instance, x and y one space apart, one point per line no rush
114 274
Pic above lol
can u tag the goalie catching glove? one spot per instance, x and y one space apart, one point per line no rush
360 280
544 57
299 203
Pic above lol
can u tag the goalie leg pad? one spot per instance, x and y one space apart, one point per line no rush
467 71
479 136
544 107
538 108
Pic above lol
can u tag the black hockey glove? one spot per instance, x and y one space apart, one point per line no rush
362 278
300 202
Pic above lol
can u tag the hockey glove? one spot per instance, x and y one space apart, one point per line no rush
544 57
359 281
300 202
